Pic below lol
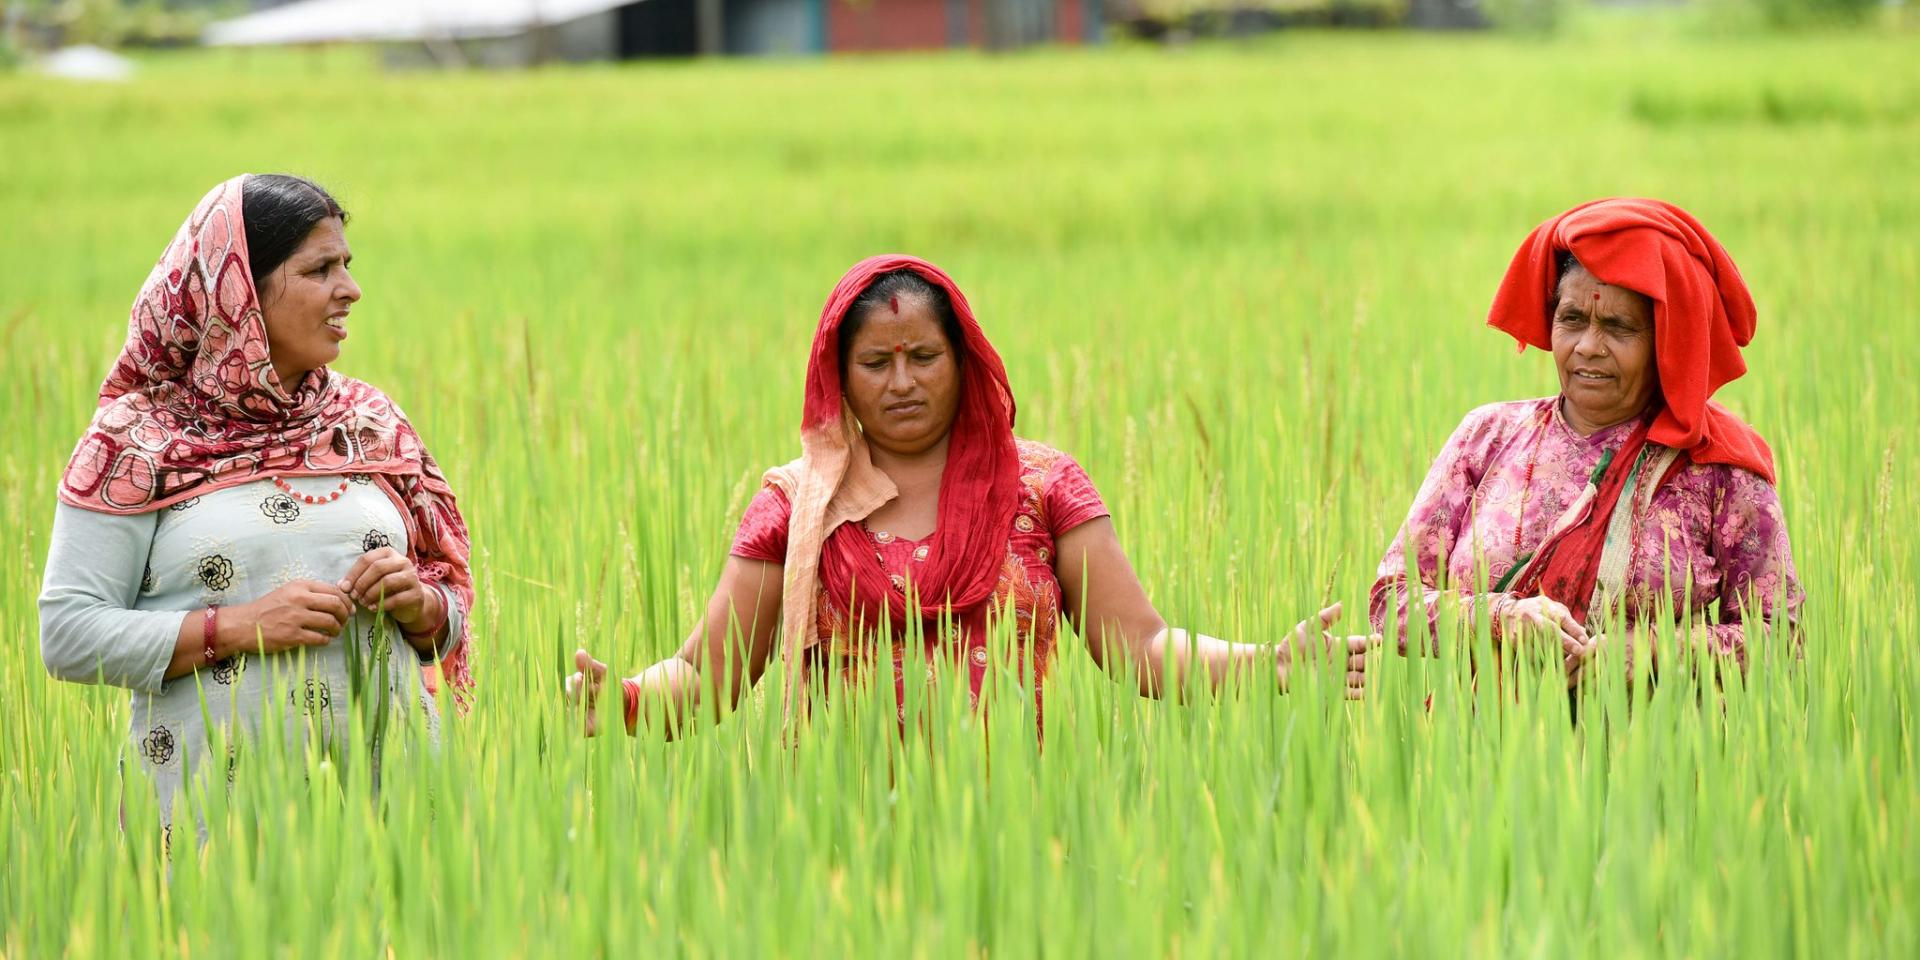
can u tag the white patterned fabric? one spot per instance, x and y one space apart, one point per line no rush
118 587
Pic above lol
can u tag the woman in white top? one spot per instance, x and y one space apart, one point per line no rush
238 519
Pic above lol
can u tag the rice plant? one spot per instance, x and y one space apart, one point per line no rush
1244 285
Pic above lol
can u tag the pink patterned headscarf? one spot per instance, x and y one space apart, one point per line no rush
193 404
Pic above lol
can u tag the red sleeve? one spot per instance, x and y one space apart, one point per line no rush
763 531
1071 499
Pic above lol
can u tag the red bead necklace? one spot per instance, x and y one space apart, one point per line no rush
288 489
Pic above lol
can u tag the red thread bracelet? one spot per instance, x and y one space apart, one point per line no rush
207 629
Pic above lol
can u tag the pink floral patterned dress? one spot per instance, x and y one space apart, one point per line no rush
1712 543
1059 496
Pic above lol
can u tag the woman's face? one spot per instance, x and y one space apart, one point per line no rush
305 301
1603 348
902 379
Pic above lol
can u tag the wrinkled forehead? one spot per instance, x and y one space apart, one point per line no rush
1579 287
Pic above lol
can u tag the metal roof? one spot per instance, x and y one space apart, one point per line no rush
333 21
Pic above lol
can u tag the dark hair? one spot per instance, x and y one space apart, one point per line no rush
1565 265
280 210
880 295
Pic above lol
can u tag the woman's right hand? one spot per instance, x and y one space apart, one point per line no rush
1547 618
302 613
583 687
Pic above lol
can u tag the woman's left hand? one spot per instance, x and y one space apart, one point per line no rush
385 580
1353 649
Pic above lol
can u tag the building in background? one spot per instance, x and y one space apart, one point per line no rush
522 32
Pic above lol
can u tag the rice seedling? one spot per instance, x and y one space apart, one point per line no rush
1242 284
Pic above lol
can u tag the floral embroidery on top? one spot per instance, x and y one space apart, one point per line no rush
296 568
280 508
312 695
215 572
227 671
158 746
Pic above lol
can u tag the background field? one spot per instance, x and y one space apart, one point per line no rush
1244 285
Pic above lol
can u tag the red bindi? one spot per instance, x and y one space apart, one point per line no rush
899 348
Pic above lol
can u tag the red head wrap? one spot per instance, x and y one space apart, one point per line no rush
1702 313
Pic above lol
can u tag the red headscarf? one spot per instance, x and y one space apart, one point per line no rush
1702 313
834 483
979 489
193 404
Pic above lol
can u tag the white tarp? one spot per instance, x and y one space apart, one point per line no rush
86 62
334 21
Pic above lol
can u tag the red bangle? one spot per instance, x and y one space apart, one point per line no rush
630 692
207 629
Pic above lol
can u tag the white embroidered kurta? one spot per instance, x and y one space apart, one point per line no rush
118 587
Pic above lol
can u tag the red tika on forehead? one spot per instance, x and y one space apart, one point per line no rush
894 302
823 397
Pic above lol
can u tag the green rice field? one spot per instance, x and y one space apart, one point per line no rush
1243 283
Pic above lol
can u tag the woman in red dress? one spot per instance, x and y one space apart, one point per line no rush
913 510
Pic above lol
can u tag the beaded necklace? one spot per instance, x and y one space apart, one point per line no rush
288 489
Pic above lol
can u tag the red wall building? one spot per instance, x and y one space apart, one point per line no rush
855 25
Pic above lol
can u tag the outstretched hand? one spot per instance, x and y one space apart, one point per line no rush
583 688
1314 638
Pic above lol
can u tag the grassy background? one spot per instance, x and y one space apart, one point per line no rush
1243 284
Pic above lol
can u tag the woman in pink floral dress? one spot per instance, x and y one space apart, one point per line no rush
1629 499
